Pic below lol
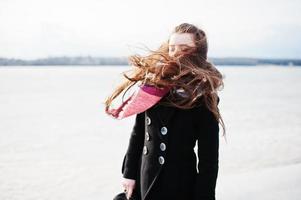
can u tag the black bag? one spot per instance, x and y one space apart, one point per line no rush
122 196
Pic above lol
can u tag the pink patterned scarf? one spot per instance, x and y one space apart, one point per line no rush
140 100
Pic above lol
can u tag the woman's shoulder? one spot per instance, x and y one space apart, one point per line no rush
201 110
198 106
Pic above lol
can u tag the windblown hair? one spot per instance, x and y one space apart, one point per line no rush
189 74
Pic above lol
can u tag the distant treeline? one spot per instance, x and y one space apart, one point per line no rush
88 60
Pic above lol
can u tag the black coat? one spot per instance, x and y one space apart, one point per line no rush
164 163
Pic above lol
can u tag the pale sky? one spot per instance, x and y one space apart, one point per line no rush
32 29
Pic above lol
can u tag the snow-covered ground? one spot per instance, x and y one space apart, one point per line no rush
57 143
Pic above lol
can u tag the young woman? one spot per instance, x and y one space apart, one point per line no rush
176 105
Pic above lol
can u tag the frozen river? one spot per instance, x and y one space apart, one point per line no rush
57 143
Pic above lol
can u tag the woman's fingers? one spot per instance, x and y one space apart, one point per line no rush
128 185
129 192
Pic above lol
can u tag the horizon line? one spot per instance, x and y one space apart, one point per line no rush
85 56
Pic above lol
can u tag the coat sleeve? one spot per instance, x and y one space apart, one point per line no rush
132 156
208 147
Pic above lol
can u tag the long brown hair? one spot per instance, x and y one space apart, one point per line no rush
190 73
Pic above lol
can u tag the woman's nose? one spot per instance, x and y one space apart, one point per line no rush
176 52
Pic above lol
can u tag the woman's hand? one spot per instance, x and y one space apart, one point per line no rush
128 185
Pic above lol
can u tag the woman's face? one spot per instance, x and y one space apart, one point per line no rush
180 43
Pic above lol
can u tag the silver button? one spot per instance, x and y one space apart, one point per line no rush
163 130
144 150
161 160
162 146
147 136
148 121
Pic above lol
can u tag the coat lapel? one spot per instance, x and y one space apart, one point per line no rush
164 114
